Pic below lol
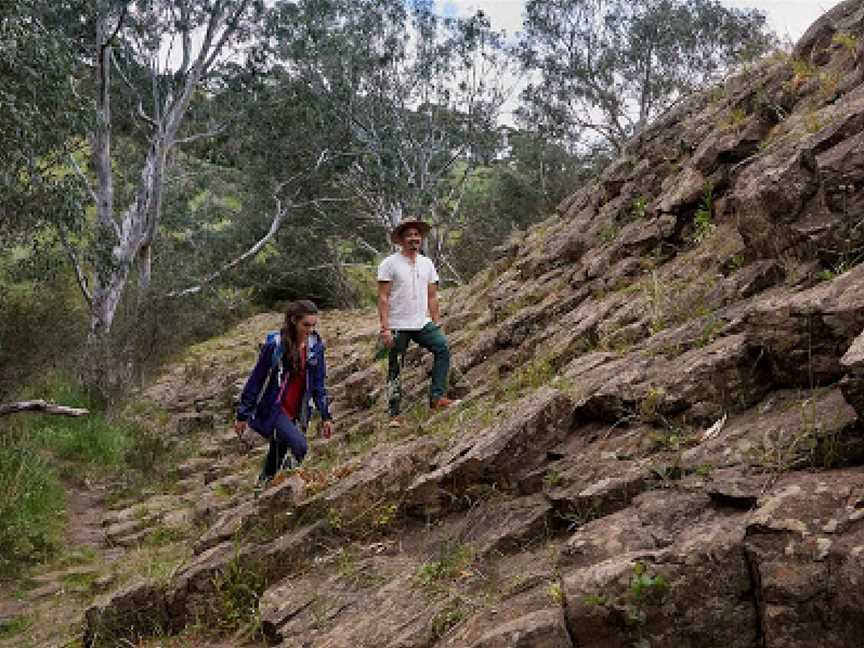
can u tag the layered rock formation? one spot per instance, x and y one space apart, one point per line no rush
660 442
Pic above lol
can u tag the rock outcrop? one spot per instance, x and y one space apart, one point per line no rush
660 442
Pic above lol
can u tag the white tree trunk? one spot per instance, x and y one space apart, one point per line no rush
122 244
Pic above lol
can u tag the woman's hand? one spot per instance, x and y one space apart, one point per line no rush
327 429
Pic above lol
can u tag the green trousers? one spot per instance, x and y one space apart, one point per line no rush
431 338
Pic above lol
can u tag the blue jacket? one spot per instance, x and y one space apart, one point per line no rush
259 401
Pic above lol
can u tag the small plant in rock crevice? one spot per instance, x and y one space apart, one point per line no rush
846 40
453 613
703 224
532 375
556 593
735 118
644 589
579 516
552 478
639 208
454 558
608 233
814 444
239 589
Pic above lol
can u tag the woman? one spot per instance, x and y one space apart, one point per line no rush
276 399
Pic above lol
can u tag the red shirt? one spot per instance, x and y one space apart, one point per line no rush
292 390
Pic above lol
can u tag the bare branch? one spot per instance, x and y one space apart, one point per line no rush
84 178
140 106
230 28
278 219
76 265
199 136
186 36
459 280
41 406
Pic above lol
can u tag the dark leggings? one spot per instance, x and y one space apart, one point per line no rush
286 436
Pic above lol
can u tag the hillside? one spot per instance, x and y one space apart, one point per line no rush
660 441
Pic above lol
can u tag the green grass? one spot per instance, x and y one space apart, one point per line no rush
14 626
528 377
238 590
453 558
449 616
38 452
31 504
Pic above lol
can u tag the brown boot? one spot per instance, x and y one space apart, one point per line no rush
443 403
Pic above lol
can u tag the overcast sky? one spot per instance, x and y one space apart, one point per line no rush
789 18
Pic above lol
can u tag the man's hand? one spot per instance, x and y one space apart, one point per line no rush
327 429
386 337
240 427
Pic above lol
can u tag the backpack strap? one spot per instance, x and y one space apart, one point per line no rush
275 337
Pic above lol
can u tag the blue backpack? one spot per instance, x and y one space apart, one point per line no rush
274 336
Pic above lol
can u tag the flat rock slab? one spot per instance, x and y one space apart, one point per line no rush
135 610
499 454
806 544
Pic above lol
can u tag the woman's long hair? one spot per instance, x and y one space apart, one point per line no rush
296 310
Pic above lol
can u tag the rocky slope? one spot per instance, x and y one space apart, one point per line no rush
660 442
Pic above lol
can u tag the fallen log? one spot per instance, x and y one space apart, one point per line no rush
41 406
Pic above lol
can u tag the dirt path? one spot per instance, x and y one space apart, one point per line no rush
44 609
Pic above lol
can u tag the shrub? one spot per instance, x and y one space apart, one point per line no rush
96 442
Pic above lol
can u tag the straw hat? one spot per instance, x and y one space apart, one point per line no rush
396 234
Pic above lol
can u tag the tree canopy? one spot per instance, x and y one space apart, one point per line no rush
607 67
188 158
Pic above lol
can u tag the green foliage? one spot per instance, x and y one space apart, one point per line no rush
581 516
14 626
39 119
552 478
96 442
803 69
846 40
31 503
736 263
713 325
596 599
816 443
703 224
639 208
36 450
530 376
608 233
842 264
735 118
449 616
556 593
453 558
644 585
643 589
611 67
42 321
238 589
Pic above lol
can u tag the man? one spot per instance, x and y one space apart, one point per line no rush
408 310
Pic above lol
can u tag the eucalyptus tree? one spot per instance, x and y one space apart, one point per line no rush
609 66
140 64
418 94
38 119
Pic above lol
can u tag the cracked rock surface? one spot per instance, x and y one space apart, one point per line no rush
659 441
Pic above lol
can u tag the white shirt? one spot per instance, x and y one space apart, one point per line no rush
409 290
